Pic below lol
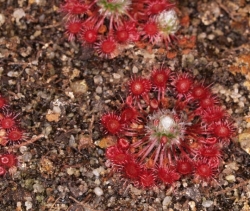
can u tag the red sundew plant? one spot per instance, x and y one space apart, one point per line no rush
10 130
3 103
10 134
95 23
2 171
171 126
7 162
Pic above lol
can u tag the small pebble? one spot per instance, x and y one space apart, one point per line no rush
70 171
72 142
98 90
134 69
202 36
13 74
37 33
98 191
27 156
23 149
96 172
230 178
18 14
207 203
19 205
57 110
233 165
2 19
98 79
192 205
97 182
244 138
28 205
166 201
211 36
79 87
116 76
38 188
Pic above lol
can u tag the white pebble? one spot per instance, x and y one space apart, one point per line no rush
98 79
19 204
57 110
72 141
97 182
13 74
134 69
11 82
241 104
166 201
2 19
192 205
98 90
184 184
207 203
96 172
23 149
248 125
98 191
28 205
116 76
40 2
233 165
222 91
202 36
211 36
27 156
230 178
70 171
79 87
38 188
37 33
18 14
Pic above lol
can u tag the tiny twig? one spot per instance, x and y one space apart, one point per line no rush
82 203
232 188
52 26
54 203
90 129
26 142
19 63
230 14
75 200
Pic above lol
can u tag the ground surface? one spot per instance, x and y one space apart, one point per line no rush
60 91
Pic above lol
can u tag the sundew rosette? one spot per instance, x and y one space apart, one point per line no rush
171 126
110 26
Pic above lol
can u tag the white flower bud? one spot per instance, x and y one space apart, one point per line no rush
166 123
113 8
168 21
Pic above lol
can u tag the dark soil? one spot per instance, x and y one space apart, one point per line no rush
61 90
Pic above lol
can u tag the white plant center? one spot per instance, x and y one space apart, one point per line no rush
166 123
168 21
113 7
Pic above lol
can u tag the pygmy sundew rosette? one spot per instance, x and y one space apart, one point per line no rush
171 126
10 130
10 133
109 26
7 161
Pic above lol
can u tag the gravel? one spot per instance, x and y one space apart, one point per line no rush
61 89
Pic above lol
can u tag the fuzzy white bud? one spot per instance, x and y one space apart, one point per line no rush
113 8
166 123
168 21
